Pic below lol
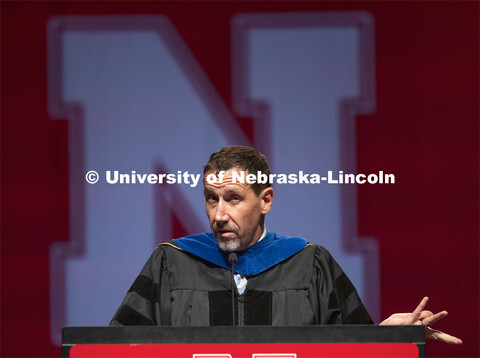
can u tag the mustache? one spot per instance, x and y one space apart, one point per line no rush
218 226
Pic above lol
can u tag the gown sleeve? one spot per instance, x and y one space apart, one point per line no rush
332 293
147 302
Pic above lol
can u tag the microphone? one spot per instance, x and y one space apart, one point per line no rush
232 260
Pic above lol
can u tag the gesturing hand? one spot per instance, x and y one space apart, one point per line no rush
422 317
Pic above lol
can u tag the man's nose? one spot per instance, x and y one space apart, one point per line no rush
221 214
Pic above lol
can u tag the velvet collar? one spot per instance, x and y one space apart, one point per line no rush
268 252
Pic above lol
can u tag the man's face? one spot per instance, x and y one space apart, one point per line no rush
235 212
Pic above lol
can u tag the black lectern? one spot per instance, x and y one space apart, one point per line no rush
242 342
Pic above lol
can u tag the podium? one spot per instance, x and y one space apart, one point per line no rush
246 341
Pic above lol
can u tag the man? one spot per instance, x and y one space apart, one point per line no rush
279 280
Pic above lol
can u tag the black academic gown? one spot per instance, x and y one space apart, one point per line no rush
179 288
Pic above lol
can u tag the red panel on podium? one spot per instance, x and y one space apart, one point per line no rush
306 350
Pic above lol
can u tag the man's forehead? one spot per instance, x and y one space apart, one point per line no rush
229 178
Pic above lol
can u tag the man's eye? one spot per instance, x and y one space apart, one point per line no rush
235 198
210 198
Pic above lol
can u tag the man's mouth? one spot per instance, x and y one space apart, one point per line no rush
225 233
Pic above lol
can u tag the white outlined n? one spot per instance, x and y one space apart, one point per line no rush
103 119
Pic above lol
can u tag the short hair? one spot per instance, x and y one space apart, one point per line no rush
242 157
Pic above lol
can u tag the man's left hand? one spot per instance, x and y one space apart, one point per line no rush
425 318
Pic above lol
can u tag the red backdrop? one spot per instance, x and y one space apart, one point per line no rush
425 130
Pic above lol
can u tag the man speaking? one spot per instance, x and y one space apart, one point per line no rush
240 273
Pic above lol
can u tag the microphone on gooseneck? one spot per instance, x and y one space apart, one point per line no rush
232 260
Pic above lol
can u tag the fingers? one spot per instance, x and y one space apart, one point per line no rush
443 337
425 314
418 311
422 317
429 320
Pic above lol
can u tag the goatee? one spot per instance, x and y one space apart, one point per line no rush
229 245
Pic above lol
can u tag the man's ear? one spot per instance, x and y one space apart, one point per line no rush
267 199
